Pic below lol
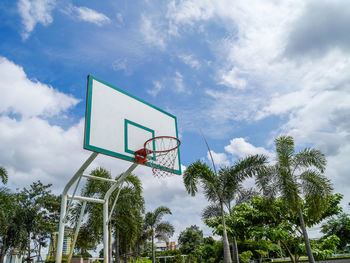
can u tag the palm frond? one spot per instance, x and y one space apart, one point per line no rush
248 167
285 150
135 182
316 187
288 187
160 212
196 172
211 211
310 158
211 192
94 187
265 180
164 231
3 175
245 194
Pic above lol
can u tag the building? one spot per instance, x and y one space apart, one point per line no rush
162 246
171 245
67 243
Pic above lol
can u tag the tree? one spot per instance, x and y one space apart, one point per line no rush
126 219
190 239
263 219
11 231
339 226
162 230
3 175
216 185
297 176
38 214
234 196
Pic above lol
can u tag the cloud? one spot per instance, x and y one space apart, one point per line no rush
20 95
157 87
152 33
219 158
322 26
121 65
86 14
120 19
40 151
33 12
179 83
241 148
189 60
232 79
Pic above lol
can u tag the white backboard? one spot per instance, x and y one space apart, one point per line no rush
118 124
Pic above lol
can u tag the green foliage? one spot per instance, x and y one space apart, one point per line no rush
3 175
262 223
339 226
321 254
190 239
211 250
330 242
178 259
219 186
144 260
126 221
155 228
298 179
245 256
53 260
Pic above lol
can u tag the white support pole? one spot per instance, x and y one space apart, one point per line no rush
64 205
105 211
100 178
76 231
89 199
105 232
114 203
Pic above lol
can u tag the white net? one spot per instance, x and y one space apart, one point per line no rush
161 154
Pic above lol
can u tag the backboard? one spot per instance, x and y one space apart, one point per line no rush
118 124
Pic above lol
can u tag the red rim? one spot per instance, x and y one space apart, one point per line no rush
162 137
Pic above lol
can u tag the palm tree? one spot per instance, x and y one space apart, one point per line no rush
235 196
218 185
156 228
127 221
127 212
295 176
3 175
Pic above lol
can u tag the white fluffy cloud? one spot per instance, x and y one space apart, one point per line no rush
241 148
218 158
89 15
20 95
33 12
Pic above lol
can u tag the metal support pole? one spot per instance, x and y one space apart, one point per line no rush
114 203
105 232
64 205
105 211
77 231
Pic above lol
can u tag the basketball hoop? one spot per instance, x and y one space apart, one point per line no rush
160 153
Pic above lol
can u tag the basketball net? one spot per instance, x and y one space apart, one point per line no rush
160 153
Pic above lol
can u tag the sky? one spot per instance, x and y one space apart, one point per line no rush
244 72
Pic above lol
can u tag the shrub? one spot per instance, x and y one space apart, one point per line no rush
245 256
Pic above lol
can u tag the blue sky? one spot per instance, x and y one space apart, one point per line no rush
242 71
